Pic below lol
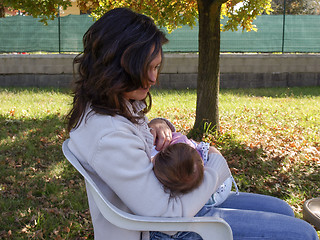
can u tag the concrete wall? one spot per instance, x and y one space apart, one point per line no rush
179 70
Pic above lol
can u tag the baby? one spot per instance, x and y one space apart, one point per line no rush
180 168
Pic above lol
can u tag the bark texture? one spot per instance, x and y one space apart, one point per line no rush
207 111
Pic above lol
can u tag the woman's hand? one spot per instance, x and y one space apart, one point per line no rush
161 132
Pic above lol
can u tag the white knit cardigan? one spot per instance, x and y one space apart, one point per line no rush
116 153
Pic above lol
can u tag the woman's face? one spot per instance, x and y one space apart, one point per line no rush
153 69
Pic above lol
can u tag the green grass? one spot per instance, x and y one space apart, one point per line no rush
270 137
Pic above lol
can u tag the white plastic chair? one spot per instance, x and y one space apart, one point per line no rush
208 227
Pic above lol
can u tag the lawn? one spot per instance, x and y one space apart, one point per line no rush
270 137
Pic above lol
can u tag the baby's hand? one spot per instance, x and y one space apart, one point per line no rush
161 132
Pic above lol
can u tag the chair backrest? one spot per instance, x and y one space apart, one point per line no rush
207 227
92 187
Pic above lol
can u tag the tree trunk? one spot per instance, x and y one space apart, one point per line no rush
2 12
207 111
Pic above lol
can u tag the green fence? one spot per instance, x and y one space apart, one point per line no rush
300 33
27 34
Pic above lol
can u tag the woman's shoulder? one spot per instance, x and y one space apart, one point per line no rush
102 121
97 128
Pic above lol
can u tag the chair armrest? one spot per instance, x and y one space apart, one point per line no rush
207 227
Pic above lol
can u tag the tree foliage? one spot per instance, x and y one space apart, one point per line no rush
243 13
296 7
166 13
174 13
44 9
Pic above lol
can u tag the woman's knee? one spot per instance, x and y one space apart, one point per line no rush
258 202
282 207
305 231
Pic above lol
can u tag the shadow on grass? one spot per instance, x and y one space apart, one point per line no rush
252 171
42 196
258 170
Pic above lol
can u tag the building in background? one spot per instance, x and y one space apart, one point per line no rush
73 10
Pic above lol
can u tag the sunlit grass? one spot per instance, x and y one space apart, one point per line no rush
33 103
270 138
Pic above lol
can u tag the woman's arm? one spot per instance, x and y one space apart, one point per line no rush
213 150
118 154
123 164
218 162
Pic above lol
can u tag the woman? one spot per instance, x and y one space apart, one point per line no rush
111 136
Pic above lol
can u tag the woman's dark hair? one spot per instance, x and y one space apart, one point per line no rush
179 168
118 49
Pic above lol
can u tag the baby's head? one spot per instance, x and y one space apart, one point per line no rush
179 168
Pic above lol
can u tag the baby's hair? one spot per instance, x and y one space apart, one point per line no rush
179 168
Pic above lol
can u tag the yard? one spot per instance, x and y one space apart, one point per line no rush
270 137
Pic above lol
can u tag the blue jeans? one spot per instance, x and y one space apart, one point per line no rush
253 216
